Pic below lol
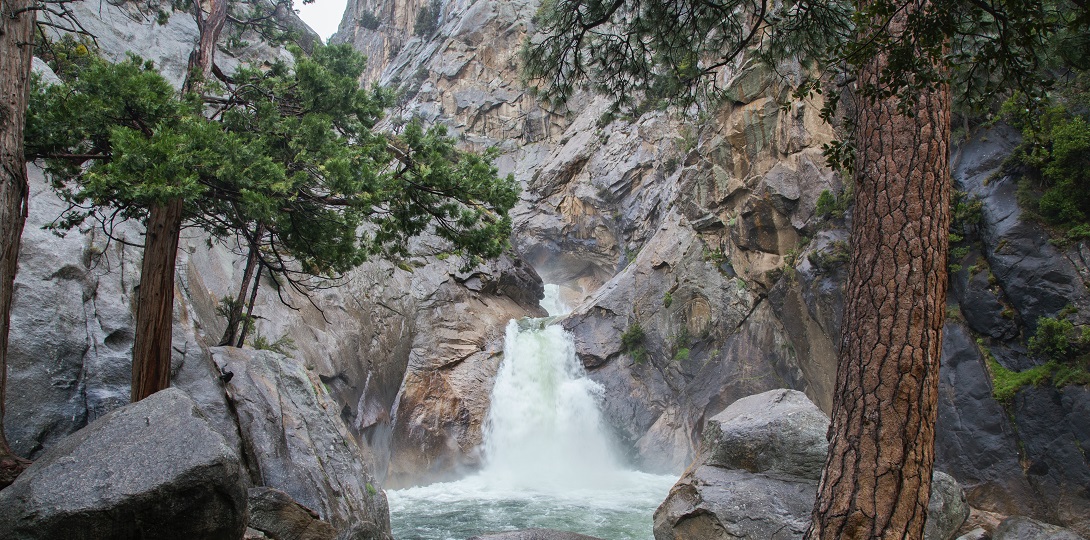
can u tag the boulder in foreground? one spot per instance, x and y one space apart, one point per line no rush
152 469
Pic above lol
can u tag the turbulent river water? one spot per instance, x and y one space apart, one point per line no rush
549 461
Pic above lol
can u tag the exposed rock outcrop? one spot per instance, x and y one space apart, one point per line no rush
279 517
153 469
295 442
1023 528
757 473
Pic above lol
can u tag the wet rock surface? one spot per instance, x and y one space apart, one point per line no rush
153 469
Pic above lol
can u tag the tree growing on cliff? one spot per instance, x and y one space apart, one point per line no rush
287 150
888 65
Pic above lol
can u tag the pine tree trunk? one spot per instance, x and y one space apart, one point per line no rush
16 48
877 477
155 302
250 309
234 317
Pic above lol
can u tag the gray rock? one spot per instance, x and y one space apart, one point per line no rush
714 503
534 534
296 442
757 473
153 469
780 432
277 516
1024 528
947 509
976 534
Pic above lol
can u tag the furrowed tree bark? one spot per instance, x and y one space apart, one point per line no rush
877 477
155 302
16 49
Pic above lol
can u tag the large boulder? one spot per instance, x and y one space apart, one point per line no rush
1024 528
153 469
757 474
296 442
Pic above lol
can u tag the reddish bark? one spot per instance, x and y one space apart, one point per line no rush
155 302
16 49
877 477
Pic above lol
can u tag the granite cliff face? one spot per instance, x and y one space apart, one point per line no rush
699 226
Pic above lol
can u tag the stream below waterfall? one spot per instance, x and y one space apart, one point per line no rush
549 460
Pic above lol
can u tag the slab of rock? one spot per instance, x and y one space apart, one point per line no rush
534 534
757 473
777 432
277 516
296 442
153 469
1024 528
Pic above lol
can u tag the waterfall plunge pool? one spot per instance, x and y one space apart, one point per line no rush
549 462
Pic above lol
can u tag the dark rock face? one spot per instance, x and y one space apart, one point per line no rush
279 517
757 473
974 440
1053 427
153 469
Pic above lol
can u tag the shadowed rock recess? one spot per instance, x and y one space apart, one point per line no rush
695 233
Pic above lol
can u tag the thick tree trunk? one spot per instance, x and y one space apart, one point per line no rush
877 477
16 49
155 303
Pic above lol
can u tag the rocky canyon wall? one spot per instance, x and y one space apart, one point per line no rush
699 228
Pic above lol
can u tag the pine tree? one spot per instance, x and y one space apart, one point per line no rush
289 150
895 61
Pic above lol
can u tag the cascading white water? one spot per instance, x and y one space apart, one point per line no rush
549 461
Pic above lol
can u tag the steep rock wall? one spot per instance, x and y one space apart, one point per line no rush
699 225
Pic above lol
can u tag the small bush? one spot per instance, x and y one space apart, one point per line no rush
632 343
667 299
1052 340
427 19
681 355
368 20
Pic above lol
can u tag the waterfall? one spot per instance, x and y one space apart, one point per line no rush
544 429
549 461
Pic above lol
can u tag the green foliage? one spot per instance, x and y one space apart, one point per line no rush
283 345
632 343
832 256
667 299
825 204
1053 338
368 20
681 355
1057 342
290 152
427 19
646 51
371 489
1007 383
